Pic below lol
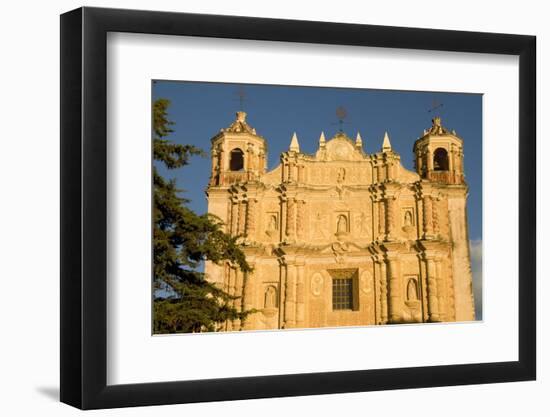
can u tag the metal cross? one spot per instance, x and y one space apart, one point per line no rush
435 106
242 95
341 113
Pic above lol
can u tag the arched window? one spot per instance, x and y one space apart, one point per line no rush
236 160
441 160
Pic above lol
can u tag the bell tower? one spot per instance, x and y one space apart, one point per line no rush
238 154
439 155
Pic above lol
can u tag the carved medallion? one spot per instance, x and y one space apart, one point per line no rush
365 282
317 284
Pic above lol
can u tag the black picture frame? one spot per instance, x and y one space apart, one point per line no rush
84 207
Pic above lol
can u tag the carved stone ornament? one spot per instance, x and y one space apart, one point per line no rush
366 282
317 282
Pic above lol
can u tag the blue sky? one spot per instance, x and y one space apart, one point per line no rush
200 110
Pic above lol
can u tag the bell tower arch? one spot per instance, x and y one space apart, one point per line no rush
238 154
439 155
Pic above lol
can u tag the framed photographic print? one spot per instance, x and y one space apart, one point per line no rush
258 208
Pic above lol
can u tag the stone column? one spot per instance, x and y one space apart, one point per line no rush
383 292
242 218
440 289
428 216
227 222
450 295
452 162
214 166
393 275
301 171
435 216
234 217
390 217
433 307
430 160
419 162
231 292
290 297
221 165
300 296
291 171
251 218
376 275
248 295
300 219
238 293
290 218
381 219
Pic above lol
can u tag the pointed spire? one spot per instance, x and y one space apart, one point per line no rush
294 145
322 140
386 145
358 141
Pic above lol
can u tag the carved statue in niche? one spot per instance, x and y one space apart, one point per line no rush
272 224
342 224
407 221
412 290
270 297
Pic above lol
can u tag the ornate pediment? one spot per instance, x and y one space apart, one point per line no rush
339 148
240 125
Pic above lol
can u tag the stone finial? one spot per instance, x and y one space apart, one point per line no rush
322 140
294 145
240 125
358 141
386 145
241 116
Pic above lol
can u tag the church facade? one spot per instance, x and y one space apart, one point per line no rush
342 237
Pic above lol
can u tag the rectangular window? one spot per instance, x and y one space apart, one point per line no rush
342 294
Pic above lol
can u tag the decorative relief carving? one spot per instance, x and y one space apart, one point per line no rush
366 283
435 216
390 217
341 175
251 218
362 222
340 249
337 174
300 219
319 226
317 283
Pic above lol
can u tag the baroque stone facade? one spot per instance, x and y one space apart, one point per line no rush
341 237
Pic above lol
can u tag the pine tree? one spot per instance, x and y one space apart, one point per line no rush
182 241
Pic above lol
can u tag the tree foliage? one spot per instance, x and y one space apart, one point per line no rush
182 241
